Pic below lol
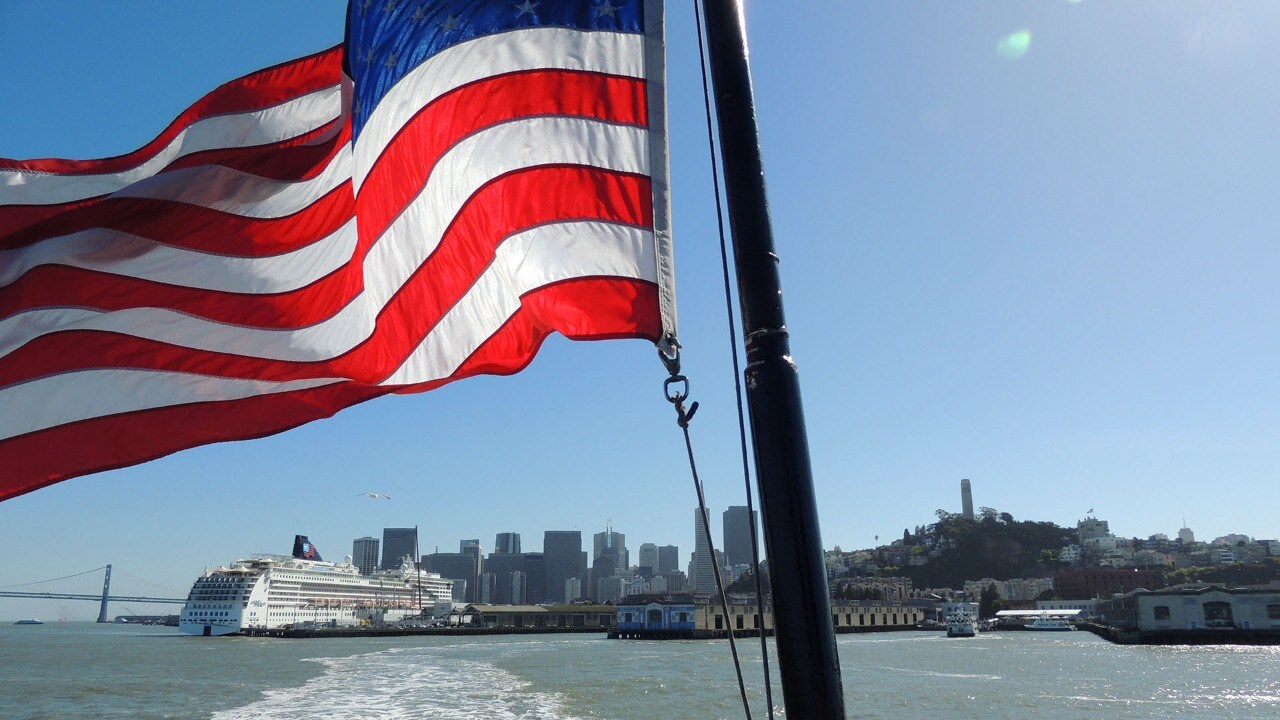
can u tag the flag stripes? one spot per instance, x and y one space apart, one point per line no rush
259 264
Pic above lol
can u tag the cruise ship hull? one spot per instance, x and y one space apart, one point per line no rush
272 591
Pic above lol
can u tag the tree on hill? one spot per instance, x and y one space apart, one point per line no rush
995 546
987 603
1259 573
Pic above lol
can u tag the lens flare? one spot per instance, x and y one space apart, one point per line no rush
1014 45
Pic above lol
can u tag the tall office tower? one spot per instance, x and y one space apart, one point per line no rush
535 571
702 577
573 586
460 567
602 568
668 559
966 500
364 554
506 569
648 558
565 559
737 535
519 587
397 544
507 542
471 547
614 545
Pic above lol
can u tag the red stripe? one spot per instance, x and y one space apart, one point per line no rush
619 308
505 206
181 224
260 89
58 285
398 175
580 309
42 458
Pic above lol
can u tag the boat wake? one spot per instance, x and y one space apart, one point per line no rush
404 683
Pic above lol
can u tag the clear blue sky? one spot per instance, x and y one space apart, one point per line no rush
1052 270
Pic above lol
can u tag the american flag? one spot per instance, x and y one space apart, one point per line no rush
426 202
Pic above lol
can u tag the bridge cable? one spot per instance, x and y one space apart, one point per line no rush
64 577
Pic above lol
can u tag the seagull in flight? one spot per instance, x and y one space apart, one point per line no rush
375 496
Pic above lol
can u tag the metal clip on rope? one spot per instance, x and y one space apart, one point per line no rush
676 389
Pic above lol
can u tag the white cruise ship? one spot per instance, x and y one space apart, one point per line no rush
276 591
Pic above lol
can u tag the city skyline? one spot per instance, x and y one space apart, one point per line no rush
1043 273
1090 519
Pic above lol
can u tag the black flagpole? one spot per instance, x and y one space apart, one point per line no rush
807 658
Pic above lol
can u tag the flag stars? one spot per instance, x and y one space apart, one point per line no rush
607 8
450 23
418 14
391 5
392 62
526 7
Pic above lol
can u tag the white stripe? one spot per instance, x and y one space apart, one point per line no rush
69 397
397 254
526 261
260 127
239 193
119 253
516 51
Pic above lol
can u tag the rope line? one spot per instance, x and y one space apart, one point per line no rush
677 398
737 371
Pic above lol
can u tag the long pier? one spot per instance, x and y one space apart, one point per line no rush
392 631
1179 636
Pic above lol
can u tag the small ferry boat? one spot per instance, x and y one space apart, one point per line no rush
1046 622
31 621
961 624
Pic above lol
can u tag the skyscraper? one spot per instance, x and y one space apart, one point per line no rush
702 577
614 545
649 558
966 500
364 554
509 578
737 535
565 559
464 567
397 544
507 542
668 559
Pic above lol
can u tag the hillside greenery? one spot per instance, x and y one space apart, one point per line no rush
993 545
1257 573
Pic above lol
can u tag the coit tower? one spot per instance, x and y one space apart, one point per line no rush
966 500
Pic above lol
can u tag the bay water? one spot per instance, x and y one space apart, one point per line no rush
63 671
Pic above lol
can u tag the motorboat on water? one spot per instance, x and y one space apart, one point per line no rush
30 621
1049 623
961 624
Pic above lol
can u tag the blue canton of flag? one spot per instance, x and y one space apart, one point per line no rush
387 39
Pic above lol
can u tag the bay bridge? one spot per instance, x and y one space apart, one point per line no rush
59 588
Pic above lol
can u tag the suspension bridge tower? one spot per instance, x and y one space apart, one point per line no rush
106 592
